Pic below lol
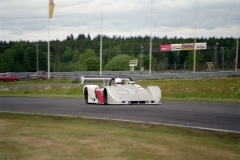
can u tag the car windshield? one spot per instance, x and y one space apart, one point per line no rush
5 75
37 73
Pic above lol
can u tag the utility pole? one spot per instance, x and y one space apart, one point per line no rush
194 51
150 54
222 57
100 73
236 61
37 55
215 56
48 48
50 15
141 59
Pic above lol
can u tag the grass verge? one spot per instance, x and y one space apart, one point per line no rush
220 90
38 137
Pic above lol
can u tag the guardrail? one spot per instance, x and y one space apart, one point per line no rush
136 75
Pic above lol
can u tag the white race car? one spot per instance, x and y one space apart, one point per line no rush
119 91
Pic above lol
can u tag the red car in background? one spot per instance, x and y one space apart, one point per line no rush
6 77
42 75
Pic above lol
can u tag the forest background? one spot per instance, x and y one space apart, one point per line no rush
82 54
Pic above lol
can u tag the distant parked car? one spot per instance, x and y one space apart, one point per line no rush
40 75
6 77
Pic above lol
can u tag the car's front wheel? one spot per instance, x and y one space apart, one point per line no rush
86 95
105 94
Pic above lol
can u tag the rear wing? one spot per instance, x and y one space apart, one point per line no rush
105 81
82 79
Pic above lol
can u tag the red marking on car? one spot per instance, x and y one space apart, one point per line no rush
99 96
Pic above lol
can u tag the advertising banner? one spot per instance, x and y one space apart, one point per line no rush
200 46
188 46
176 47
165 48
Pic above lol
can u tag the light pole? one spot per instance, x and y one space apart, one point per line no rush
236 60
50 15
141 59
48 44
37 55
194 52
215 56
150 54
222 57
101 41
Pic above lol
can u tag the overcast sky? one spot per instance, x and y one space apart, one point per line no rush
28 19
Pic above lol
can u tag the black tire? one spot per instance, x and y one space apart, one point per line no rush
105 96
86 95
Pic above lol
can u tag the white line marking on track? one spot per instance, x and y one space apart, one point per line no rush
132 121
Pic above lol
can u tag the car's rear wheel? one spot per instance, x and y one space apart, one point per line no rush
86 95
105 94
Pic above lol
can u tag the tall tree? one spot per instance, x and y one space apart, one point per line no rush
118 63
88 54
199 61
92 64
8 61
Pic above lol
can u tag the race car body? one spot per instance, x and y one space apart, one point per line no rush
125 93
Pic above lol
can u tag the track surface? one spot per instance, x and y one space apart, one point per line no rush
211 116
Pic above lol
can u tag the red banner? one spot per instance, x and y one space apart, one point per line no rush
165 48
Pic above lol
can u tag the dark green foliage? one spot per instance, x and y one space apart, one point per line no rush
199 61
92 64
8 60
83 58
118 63
82 53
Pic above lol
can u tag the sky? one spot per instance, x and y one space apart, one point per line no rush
28 19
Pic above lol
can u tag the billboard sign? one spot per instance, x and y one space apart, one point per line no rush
165 48
188 46
176 47
200 46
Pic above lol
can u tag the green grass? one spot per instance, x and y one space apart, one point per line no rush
221 90
38 137
206 89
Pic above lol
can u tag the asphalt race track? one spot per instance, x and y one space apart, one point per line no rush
212 116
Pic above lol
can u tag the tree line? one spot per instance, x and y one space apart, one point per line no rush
83 52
